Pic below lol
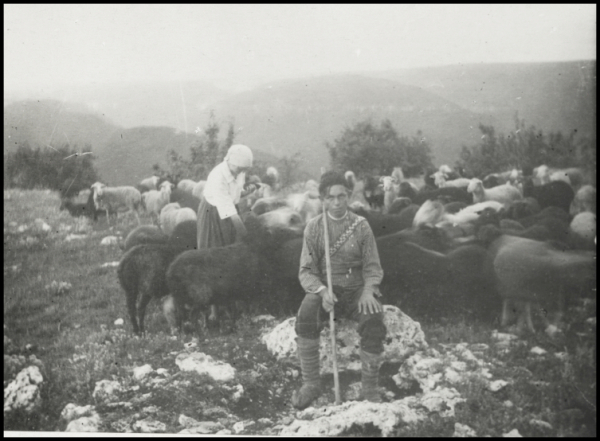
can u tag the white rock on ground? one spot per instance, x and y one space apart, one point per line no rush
73 411
495 386
335 420
109 240
119 322
512 434
71 237
41 225
541 424
538 351
404 337
141 372
204 364
23 392
110 264
85 424
463 431
106 391
149 425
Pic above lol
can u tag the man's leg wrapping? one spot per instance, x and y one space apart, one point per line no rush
308 327
372 332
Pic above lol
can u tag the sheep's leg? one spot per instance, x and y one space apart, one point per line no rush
137 217
528 317
213 314
132 308
142 308
505 312
170 312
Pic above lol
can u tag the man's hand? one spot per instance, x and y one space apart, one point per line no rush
367 304
328 300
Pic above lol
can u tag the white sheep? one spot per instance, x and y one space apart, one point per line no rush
585 200
172 215
115 199
186 185
440 181
391 190
150 183
505 193
583 230
430 213
304 204
471 213
572 175
358 189
198 190
155 200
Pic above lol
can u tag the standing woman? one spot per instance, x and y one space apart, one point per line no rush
219 223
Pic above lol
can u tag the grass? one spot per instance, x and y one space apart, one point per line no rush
70 333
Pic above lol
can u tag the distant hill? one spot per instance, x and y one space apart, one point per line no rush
131 127
291 116
121 156
160 103
44 122
553 96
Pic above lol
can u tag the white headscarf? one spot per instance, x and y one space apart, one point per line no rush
239 155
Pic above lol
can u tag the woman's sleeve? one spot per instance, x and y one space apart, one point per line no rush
372 271
216 192
309 265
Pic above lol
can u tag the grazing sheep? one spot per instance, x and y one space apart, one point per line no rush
408 190
430 213
556 193
223 275
503 193
357 188
582 231
185 235
198 190
186 185
525 207
82 209
472 212
172 214
390 192
272 179
426 281
304 204
141 273
399 204
445 195
115 199
264 205
454 207
383 224
532 272
144 234
151 183
572 176
155 200
373 193
440 181
584 200
184 199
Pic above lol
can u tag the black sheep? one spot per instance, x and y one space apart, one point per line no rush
144 234
553 194
141 272
85 209
373 192
225 275
445 195
383 224
184 199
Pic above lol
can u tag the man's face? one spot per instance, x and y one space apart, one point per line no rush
336 200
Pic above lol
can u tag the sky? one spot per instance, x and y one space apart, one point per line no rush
240 46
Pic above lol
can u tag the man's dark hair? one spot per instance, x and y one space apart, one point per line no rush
331 178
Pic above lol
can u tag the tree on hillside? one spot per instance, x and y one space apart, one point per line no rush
63 169
290 170
368 149
205 153
525 147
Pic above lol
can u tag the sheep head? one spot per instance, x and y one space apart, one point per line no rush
475 186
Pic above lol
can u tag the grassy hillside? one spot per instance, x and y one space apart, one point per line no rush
292 116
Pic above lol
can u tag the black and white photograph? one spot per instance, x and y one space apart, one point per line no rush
307 220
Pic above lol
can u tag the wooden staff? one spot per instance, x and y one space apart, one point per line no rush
336 379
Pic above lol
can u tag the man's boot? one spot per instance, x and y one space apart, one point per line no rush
308 353
370 376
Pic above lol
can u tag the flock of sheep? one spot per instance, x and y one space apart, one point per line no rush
509 242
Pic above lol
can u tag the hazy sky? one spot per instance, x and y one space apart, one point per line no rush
236 46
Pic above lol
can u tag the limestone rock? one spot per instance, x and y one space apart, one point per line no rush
72 411
85 424
404 337
204 364
149 425
106 391
23 392
463 431
140 372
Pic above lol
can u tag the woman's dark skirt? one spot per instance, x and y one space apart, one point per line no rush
212 230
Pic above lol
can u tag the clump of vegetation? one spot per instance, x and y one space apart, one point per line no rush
61 168
368 149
